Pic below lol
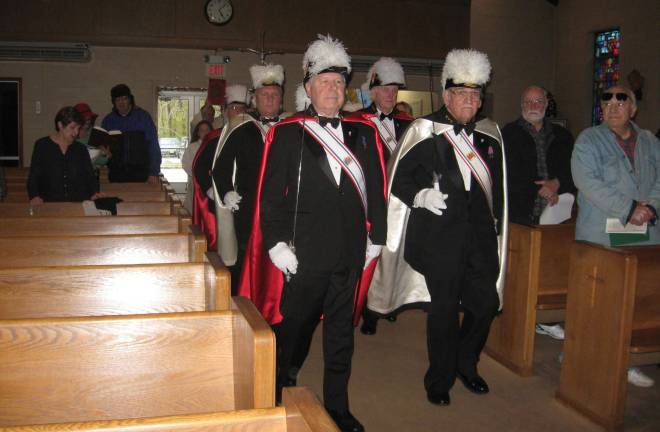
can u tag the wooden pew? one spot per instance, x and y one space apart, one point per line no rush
39 226
102 250
14 196
301 412
77 369
41 292
612 321
20 175
535 291
76 209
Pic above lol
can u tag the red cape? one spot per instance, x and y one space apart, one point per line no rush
261 281
202 217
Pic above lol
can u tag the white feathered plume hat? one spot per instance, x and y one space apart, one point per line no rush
267 75
386 71
302 99
326 55
465 68
237 93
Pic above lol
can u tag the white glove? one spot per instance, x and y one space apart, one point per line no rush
431 199
373 251
209 193
283 257
231 200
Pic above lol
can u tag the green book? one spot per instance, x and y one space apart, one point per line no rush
623 239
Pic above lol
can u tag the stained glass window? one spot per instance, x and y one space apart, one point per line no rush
606 68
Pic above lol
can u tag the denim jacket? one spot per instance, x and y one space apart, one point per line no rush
608 183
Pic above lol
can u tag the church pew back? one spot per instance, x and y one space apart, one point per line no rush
77 369
102 250
41 292
612 312
21 196
536 280
39 226
301 412
75 209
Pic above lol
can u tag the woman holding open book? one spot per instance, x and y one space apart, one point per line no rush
61 169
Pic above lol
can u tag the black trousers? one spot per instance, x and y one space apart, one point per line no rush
236 270
305 298
465 280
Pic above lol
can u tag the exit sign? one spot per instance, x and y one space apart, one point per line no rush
215 70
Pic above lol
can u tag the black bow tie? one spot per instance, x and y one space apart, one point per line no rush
383 116
469 128
332 121
266 120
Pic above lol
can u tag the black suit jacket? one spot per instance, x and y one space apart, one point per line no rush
331 225
245 146
522 172
430 237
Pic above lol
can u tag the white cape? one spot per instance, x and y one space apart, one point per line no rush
395 283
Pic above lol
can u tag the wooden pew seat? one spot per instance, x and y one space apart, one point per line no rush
39 226
102 250
301 412
80 369
21 196
42 292
76 209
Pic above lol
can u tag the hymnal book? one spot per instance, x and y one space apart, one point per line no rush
621 235
99 137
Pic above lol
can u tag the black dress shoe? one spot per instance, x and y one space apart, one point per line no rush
369 327
346 422
391 318
441 398
475 384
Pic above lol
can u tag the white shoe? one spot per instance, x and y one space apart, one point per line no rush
554 331
638 378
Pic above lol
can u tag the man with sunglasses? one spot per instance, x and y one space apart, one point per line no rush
616 168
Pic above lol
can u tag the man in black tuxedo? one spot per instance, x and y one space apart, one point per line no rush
448 175
322 185
237 162
384 79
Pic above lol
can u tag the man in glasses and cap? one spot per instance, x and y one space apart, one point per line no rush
446 215
236 165
142 161
615 168
320 216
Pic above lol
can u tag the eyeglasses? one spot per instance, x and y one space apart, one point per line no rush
619 96
466 94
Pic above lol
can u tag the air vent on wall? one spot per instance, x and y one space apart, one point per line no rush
44 51
423 67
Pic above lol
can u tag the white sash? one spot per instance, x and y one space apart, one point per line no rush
334 146
477 165
388 136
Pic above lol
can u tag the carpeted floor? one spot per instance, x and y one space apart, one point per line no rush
387 392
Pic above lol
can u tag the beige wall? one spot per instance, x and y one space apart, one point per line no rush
640 49
517 35
55 85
